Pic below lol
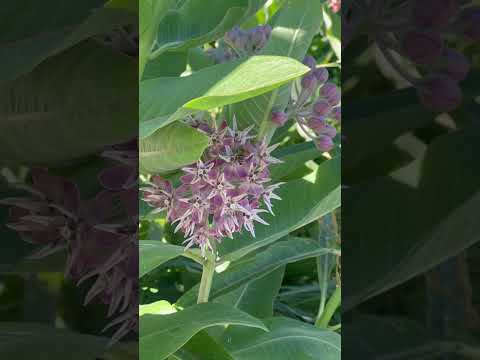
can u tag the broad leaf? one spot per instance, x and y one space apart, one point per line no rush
287 339
202 346
162 335
171 147
293 157
251 268
23 49
212 87
51 115
303 201
293 30
42 342
194 24
152 254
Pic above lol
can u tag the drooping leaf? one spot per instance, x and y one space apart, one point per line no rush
212 87
171 147
51 115
193 23
162 335
251 268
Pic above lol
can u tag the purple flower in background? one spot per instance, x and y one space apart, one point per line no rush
222 193
99 235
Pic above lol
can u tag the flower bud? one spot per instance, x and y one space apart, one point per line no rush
279 118
330 92
433 13
469 22
329 130
337 113
268 30
322 108
317 123
440 94
454 64
422 47
310 62
321 75
324 143
309 82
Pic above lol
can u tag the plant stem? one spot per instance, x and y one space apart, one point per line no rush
332 305
207 279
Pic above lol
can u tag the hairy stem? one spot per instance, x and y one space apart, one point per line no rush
332 305
207 279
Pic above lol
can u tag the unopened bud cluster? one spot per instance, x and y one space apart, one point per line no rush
222 193
317 108
418 31
238 43
98 236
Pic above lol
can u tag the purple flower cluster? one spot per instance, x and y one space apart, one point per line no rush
238 43
417 31
223 192
317 109
99 235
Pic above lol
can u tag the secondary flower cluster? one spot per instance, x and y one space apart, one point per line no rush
238 43
223 192
417 31
317 109
99 235
335 5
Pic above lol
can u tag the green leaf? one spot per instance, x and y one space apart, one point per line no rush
417 228
162 335
303 201
42 342
297 23
154 253
151 12
25 50
287 339
51 115
169 64
171 147
203 346
333 30
293 157
251 268
256 296
212 87
195 24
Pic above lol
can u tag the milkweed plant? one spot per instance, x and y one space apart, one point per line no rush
240 181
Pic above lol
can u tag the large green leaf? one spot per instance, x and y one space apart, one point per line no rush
202 346
171 147
23 49
162 335
43 342
295 26
303 201
162 99
194 23
152 254
254 267
293 157
415 229
287 339
52 115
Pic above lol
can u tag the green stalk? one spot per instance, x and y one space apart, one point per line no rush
207 279
332 305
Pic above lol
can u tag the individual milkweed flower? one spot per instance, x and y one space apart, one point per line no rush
222 193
